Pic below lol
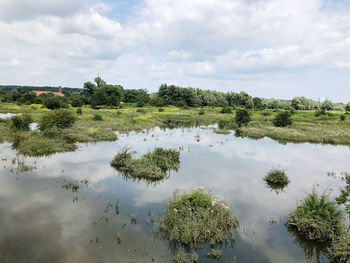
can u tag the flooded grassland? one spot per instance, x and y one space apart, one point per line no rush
75 207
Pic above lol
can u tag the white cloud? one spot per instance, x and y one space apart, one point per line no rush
242 44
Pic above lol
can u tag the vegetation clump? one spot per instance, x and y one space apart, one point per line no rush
192 219
61 118
97 117
71 185
152 166
276 179
21 122
283 119
317 218
215 254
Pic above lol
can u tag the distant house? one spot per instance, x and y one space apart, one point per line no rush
59 93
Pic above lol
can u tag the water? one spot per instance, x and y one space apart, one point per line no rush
43 222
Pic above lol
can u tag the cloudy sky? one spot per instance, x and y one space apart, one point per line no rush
268 48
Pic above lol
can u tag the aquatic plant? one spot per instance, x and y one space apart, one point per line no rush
276 179
192 219
21 122
151 166
340 249
216 254
317 218
71 185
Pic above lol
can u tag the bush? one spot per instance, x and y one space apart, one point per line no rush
342 117
97 117
201 112
79 111
226 109
276 179
317 218
76 102
283 119
242 117
61 118
21 122
161 110
52 102
193 219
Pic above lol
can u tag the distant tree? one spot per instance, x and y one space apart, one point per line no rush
327 105
347 107
52 102
142 97
258 103
99 82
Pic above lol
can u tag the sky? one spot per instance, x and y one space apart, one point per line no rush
268 48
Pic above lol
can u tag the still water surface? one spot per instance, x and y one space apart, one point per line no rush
43 222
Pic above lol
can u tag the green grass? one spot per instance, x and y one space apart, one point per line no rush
193 219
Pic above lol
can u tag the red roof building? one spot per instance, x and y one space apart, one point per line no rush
59 93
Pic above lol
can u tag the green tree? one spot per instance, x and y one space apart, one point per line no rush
242 117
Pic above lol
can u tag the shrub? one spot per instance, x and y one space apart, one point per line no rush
342 117
276 179
160 109
79 111
226 109
141 110
97 117
242 117
21 122
201 112
283 119
61 118
52 102
193 219
316 218
76 102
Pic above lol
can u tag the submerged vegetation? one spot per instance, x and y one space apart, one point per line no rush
276 179
193 219
152 166
317 218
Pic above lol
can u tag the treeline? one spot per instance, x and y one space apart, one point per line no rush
99 94
9 89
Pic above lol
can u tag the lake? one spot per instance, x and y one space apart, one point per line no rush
43 222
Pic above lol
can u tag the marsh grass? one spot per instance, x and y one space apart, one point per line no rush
276 179
340 249
317 218
193 219
71 185
215 254
152 166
